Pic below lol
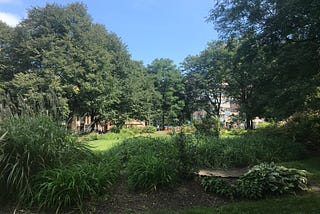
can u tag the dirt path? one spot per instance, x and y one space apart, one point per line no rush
230 173
314 186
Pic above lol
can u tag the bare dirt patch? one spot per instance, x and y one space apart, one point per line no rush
185 195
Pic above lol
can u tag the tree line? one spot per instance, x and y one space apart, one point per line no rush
268 57
267 60
57 59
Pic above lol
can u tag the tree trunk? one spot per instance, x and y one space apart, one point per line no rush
93 122
249 123
69 121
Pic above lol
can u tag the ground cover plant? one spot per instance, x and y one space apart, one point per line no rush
259 182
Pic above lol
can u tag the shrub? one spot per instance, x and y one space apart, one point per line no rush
115 129
161 147
180 151
188 129
149 129
248 149
269 179
209 126
172 132
134 130
33 144
304 127
219 186
147 171
70 186
261 181
188 155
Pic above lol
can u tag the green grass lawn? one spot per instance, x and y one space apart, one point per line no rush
107 141
102 145
306 203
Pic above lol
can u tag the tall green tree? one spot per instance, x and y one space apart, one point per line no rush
140 93
287 34
168 81
73 57
44 45
6 34
63 62
246 80
206 78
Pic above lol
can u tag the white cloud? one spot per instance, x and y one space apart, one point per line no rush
10 19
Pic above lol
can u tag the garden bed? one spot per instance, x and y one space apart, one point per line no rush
188 194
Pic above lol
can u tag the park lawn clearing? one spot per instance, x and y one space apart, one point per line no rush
109 140
102 145
105 142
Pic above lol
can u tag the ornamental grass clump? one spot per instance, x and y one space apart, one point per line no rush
141 145
245 150
147 172
33 144
71 186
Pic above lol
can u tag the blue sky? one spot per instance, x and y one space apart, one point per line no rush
150 28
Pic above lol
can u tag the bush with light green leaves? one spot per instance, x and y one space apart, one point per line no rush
261 181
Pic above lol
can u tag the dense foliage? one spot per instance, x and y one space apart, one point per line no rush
209 126
268 59
246 149
168 82
205 82
59 61
149 172
30 145
44 166
154 162
304 128
69 186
